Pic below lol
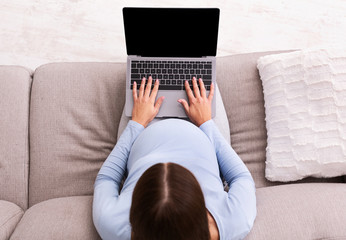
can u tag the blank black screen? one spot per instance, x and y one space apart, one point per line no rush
171 32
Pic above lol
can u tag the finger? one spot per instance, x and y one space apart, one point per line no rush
188 91
195 88
185 105
148 87
155 90
141 88
159 103
134 91
211 93
202 88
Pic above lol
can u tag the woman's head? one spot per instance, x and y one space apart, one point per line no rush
168 203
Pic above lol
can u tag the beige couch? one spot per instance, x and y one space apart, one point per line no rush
59 123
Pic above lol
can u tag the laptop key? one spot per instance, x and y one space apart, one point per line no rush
135 76
190 87
137 81
169 87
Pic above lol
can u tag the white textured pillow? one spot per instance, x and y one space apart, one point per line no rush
305 106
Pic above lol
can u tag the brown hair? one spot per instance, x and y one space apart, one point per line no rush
168 203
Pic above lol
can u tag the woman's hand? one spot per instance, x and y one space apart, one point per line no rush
144 107
199 109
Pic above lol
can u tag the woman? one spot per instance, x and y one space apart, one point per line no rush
173 189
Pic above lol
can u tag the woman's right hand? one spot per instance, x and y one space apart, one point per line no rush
199 107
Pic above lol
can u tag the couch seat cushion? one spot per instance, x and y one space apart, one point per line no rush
10 214
300 211
59 218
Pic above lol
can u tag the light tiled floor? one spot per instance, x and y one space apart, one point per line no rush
34 32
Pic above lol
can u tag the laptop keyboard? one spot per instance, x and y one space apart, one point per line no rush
172 74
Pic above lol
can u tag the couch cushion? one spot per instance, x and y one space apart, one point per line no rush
60 218
15 87
242 94
75 111
10 214
300 211
305 106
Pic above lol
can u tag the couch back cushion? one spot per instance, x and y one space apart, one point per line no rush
75 112
15 87
242 93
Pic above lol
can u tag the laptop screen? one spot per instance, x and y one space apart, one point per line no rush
171 32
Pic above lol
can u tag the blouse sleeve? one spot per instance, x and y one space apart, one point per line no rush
108 180
241 194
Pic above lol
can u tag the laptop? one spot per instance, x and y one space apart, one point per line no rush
172 45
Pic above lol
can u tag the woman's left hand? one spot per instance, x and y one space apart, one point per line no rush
144 107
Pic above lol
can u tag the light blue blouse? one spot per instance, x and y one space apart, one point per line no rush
202 150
